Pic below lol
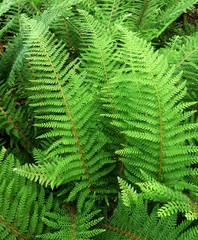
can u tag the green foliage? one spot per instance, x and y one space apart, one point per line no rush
98 130
80 224
133 219
182 53
22 203
154 120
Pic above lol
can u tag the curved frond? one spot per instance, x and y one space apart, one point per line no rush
65 108
153 117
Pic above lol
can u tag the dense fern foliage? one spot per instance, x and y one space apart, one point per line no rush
98 120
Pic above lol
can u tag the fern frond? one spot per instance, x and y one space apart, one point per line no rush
109 12
10 9
174 207
152 118
171 12
66 110
66 30
136 223
57 9
11 117
128 193
190 234
176 201
182 52
97 60
133 219
155 191
22 203
66 224
143 17
147 17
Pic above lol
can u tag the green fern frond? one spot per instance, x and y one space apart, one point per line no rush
148 17
66 30
11 117
66 110
57 9
8 59
155 191
152 118
128 193
22 203
171 12
174 207
97 60
13 98
9 12
183 53
143 17
136 223
66 224
109 12
134 220
176 201
190 234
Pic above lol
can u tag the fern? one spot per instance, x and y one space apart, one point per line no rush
22 203
11 117
85 100
76 141
152 120
65 224
97 61
50 14
182 52
131 220
148 17
172 11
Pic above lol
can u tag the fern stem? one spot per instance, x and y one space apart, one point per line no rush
110 18
186 57
73 221
74 131
11 121
12 229
127 234
140 19
71 24
161 131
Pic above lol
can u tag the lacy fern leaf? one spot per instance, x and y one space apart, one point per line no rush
22 203
153 117
133 220
66 224
182 52
66 108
